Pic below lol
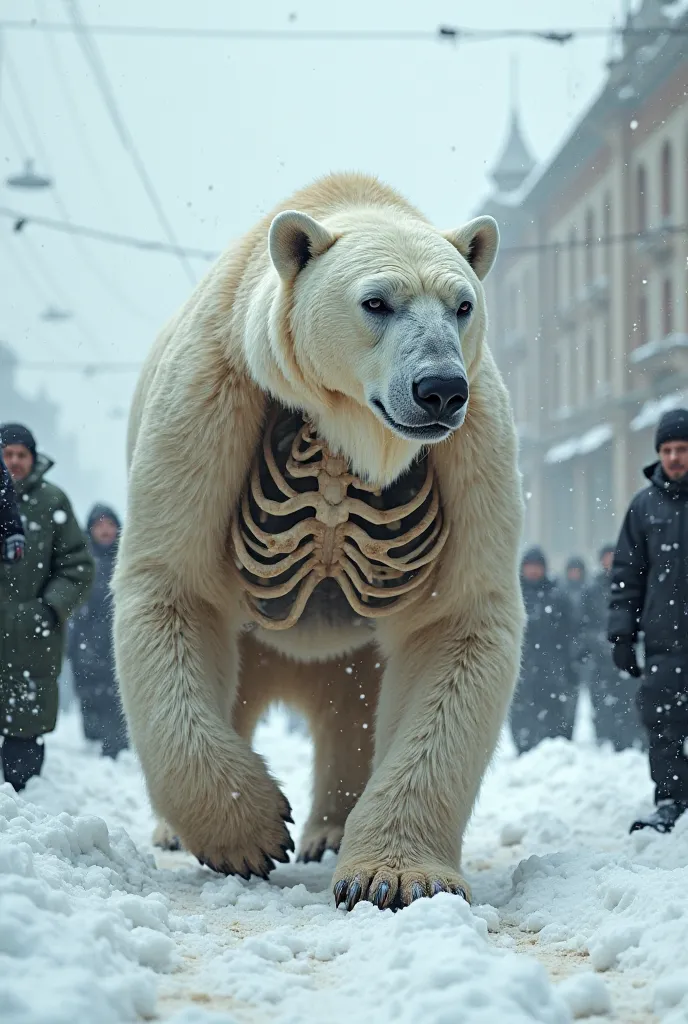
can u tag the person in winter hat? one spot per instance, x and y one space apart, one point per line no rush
649 595
37 596
611 693
90 648
11 526
545 701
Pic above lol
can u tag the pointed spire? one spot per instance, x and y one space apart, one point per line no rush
515 161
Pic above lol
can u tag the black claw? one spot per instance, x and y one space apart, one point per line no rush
288 818
289 845
245 872
381 894
438 887
354 893
459 891
340 892
268 866
417 892
313 855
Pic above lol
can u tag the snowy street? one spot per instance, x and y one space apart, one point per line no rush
572 917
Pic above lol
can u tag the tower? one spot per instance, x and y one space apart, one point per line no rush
515 162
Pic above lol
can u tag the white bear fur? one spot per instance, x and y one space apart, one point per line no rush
261 323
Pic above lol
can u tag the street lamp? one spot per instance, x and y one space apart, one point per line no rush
55 314
27 178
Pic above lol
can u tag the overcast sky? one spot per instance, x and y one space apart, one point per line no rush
228 128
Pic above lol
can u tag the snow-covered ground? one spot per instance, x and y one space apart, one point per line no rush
572 916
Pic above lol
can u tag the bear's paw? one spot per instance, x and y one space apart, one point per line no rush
393 887
316 839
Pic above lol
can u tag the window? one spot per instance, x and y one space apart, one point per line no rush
606 232
591 381
589 246
667 307
641 324
573 277
641 199
667 183
554 382
513 307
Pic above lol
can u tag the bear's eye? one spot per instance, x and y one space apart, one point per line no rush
465 308
376 306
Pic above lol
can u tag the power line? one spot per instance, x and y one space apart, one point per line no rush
449 33
23 220
11 125
97 66
39 148
101 275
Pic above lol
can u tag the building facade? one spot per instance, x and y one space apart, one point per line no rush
589 299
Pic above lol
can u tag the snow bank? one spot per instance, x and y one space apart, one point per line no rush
78 941
92 930
581 883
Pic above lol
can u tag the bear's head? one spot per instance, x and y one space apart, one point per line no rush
377 324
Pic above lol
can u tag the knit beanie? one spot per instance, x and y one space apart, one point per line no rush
16 433
534 556
673 426
575 562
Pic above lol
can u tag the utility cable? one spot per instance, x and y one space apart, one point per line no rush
24 220
95 62
82 252
450 33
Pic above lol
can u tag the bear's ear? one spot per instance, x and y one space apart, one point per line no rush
477 242
293 240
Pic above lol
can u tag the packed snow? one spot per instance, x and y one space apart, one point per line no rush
572 917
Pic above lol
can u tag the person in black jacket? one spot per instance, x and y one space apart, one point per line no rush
649 594
90 641
545 701
11 526
615 716
573 585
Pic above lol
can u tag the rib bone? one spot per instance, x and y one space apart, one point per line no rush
280 551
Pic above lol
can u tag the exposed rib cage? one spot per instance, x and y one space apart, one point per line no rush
304 517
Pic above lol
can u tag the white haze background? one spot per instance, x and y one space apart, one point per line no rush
226 129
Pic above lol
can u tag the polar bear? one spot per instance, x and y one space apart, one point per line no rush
346 316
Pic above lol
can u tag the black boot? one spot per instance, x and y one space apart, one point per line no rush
664 818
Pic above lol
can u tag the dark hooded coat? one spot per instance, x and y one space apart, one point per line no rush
37 596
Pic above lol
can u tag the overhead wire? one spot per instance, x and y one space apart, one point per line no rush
15 134
84 255
23 220
95 62
450 33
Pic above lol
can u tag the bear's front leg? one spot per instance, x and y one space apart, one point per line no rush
177 664
443 700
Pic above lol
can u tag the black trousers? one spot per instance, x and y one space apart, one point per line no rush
21 759
544 706
663 705
614 708
101 710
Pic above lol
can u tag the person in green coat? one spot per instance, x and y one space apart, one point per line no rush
37 596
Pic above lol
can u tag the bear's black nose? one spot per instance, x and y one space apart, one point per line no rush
441 397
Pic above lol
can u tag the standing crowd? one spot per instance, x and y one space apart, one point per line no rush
54 599
591 633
